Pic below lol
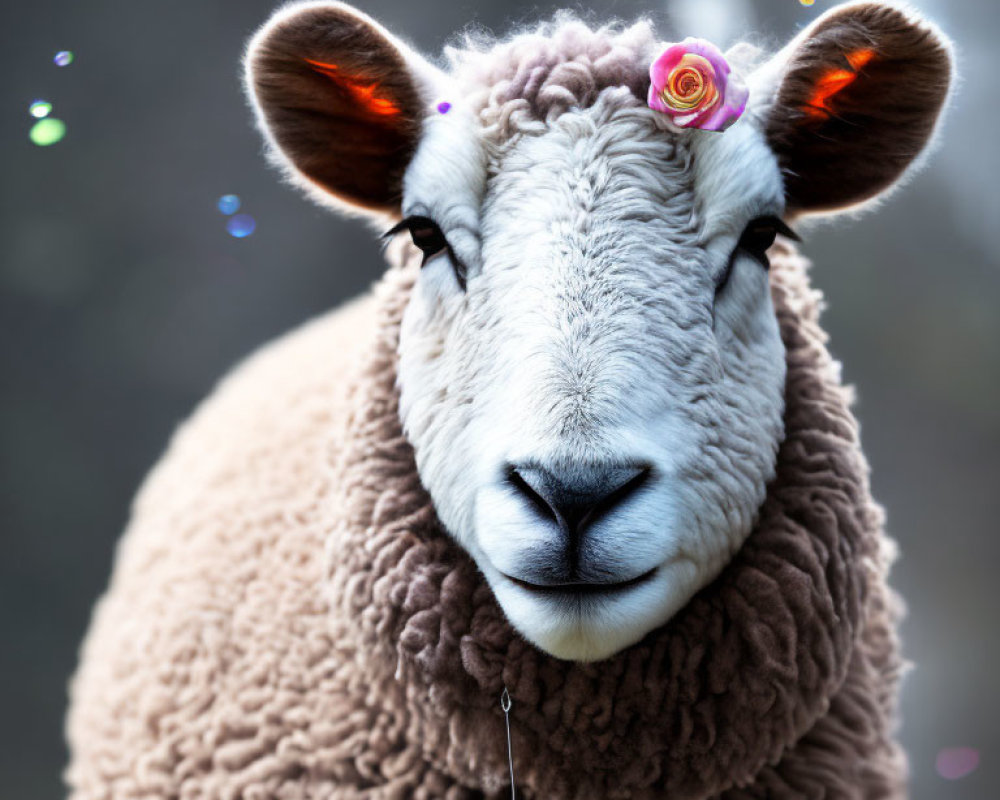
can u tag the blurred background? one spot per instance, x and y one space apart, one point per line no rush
125 293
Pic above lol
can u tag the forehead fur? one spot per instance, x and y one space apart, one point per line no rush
528 81
531 85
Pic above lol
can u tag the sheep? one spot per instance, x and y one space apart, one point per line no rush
582 448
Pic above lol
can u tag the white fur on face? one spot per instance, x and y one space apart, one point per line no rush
590 333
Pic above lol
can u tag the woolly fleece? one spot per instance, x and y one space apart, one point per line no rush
231 658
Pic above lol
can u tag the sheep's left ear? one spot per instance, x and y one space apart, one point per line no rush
855 101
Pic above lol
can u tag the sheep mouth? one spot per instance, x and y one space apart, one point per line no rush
578 588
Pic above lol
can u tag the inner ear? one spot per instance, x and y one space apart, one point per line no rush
340 101
857 104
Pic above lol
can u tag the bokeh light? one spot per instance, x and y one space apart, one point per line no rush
807 2
228 204
241 225
47 131
63 58
40 108
953 763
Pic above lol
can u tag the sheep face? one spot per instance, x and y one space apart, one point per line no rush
592 376
590 369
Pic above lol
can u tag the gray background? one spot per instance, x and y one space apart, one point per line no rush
122 300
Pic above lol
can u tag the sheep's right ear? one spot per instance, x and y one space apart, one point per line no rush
340 101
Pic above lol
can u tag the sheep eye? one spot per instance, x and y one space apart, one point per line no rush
756 239
430 240
759 235
427 236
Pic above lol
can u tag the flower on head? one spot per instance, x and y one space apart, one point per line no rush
693 85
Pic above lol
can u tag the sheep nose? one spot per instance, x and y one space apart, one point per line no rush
577 495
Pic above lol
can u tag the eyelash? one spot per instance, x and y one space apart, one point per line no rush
428 237
771 227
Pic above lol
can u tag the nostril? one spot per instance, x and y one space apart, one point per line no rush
534 496
577 495
621 484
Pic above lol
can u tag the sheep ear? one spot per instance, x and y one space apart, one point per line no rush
855 101
340 101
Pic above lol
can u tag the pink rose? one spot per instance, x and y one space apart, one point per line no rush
693 85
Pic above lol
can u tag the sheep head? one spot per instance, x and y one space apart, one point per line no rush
590 368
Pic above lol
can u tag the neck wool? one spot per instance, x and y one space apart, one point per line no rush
778 677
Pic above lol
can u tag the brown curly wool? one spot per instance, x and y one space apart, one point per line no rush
230 659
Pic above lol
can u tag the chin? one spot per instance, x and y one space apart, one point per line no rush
588 625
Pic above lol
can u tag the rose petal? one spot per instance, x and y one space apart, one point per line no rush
713 54
730 109
665 62
686 120
654 102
